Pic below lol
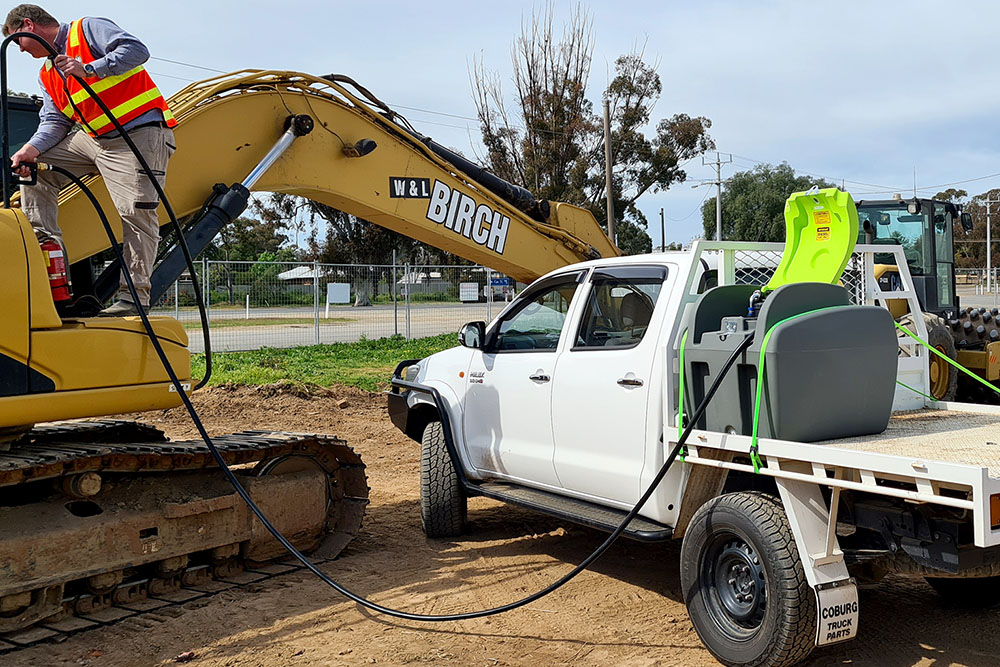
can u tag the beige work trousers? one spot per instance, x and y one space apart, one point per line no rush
131 191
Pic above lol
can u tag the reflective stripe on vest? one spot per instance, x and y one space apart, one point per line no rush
128 95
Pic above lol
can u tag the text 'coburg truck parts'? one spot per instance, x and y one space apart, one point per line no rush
820 464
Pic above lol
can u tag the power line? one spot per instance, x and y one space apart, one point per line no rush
831 178
178 62
696 209
170 76
436 113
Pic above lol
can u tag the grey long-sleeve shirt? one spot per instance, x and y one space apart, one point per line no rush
115 52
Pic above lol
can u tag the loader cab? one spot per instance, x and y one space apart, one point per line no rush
923 227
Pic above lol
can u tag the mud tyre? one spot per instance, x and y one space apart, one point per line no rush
944 376
744 585
443 503
972 593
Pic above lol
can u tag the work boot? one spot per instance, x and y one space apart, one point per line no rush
120 308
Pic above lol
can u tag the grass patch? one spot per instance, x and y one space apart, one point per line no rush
269 321
367 364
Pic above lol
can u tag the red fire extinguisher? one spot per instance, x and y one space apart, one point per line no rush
56 266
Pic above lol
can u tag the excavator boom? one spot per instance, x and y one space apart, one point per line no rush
406 184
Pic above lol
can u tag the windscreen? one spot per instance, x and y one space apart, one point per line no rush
893 225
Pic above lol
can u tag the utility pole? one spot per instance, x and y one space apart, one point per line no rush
989 245
612 228
663 233
719 161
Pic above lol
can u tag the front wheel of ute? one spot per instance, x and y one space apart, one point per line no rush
974 592
443 504
744 585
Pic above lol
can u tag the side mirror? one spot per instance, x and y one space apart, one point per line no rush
472 335
967 222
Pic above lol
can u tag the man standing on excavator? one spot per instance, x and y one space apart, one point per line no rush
110 61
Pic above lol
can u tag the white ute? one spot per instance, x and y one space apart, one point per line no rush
567 403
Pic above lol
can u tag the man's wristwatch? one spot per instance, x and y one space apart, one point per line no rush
89 69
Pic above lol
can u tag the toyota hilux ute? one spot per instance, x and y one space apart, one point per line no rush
818 462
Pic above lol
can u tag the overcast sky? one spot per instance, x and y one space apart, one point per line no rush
857 91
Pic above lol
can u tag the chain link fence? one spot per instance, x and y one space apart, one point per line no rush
287 304
755 267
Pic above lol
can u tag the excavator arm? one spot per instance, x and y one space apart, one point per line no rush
406 184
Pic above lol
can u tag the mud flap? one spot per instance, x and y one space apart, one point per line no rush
836 612
814 526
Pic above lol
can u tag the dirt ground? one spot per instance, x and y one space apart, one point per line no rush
626 611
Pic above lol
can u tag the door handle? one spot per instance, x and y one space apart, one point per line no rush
630 382
539 376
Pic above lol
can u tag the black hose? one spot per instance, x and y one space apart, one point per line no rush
231 477
364 602
146 169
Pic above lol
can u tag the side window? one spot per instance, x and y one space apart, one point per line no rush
619 307
537 323
945 255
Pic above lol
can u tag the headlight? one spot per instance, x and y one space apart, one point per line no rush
411 372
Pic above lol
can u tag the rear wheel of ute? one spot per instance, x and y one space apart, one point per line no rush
743 583
443 504
976 592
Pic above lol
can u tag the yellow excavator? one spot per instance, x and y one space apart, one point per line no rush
98 512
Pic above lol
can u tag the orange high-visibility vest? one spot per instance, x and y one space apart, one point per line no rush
128 95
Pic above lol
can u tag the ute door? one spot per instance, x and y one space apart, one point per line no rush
507 416
601 393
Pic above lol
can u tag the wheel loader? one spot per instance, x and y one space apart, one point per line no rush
970 336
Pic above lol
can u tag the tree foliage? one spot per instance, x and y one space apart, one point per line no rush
552 142
246 239
347 239
970 249
753 203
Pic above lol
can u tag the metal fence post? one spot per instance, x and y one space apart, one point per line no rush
206 290
489 294
407 280
177 305
316 299
395 305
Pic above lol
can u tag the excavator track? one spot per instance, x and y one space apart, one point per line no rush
101 520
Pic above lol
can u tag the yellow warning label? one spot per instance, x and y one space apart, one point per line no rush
822 233
821 217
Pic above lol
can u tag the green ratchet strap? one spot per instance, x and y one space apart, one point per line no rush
754 455
906 386
680 400
946 358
